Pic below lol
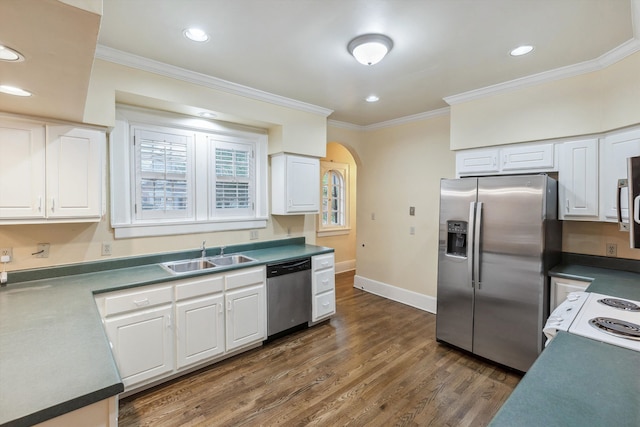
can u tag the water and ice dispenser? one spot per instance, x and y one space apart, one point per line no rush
457 238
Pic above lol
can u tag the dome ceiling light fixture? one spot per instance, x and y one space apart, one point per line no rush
10 55
521 50
369 49
372 98
196 35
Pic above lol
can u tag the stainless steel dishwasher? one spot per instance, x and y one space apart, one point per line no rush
288 295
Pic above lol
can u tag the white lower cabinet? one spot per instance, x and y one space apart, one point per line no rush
198 320
199 329
143 344
560 288
323 282
245 316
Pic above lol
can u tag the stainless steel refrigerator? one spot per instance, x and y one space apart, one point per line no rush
498 237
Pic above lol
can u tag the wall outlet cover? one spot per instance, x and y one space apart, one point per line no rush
43 250
106 249
612 249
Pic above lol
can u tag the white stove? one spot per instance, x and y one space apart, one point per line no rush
600 317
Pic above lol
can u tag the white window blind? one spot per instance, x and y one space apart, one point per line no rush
163 179
234 179
334 189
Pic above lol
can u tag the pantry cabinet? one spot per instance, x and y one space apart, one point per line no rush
50 172
578 180
295 184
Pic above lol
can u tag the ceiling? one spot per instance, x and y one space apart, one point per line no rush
297 49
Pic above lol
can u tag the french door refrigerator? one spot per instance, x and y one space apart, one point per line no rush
498 237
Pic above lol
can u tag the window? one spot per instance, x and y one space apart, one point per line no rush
162 175
334 181
233 179
186 175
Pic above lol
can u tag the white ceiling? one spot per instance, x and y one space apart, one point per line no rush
297 48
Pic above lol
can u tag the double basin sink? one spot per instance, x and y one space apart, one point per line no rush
201 264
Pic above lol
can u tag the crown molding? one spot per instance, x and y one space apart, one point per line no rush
390 123
345 125
145 64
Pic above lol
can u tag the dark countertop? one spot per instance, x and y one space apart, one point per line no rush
578 381
54 353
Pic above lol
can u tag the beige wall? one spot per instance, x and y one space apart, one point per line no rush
401 167
589 103
344 244
591 238
289 130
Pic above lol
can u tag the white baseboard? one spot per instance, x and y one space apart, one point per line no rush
404 296
343 266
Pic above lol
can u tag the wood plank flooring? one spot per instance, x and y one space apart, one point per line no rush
376 363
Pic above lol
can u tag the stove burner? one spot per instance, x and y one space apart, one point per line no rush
616 327
620 304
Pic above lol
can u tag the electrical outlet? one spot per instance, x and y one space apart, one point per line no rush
253 235
106 249
612 249
412 230
7 252
42 251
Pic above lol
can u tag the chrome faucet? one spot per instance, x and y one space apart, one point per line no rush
204 250
222 250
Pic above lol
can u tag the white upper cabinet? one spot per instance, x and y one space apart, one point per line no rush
517 158
527 157
50 172
578 180
22 169
295 184
469 162
74 172
615 149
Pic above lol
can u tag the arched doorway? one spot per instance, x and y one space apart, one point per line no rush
336 223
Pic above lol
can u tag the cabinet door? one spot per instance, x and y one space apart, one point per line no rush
470 162
200 329
142 344
578 179
74 172
303 184
22 170
527 157
560 288
245 319
615 150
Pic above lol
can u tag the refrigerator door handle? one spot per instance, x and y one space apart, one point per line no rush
476 246
622 226
471 242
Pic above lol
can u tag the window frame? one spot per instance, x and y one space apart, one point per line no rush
333 230
122 158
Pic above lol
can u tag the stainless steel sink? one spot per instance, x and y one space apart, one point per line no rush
187 266
229 259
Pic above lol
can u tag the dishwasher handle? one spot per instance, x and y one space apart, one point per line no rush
275 270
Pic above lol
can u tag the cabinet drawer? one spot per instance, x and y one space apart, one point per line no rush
324 305
246 277
136 300
324 281
322 261
196 287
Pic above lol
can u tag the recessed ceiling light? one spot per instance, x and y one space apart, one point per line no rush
8 54
207 115
12 90
372 98
196 34
521 50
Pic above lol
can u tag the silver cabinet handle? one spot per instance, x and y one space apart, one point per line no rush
622 183
141 302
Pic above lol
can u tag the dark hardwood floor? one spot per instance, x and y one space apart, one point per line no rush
376 363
